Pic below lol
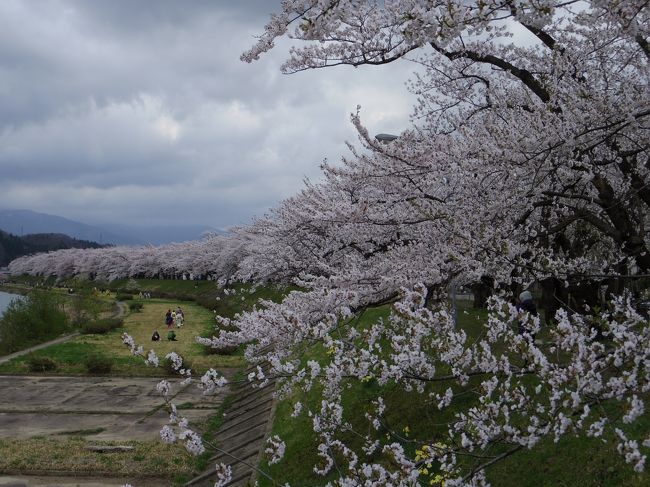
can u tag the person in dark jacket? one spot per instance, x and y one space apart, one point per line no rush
155 337
526 304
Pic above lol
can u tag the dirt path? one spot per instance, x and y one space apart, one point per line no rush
56 341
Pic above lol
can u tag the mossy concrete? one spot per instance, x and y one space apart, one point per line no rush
124 408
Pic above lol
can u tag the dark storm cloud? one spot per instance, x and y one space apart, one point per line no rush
143 110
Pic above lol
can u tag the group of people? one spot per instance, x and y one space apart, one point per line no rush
144 295
176 317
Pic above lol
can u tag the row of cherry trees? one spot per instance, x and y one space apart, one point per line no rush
527 162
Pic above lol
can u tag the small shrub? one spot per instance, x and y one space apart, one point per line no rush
100 327
169 368
135 306
208 302
98 364
41 364
224 350
35 318
124 297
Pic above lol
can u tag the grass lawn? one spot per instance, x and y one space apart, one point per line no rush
70 356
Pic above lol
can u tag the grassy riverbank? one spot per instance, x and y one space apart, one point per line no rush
71 357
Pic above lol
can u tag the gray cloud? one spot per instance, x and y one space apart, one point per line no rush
130 111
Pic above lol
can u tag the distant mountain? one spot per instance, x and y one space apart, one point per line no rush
23 222
159 235
12 246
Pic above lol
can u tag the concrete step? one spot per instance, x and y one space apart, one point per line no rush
241 476
242 435
254 396
235 426
255 423
249 448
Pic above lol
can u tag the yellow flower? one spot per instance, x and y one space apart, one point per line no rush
438 479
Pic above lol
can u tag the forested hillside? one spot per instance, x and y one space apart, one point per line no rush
12 246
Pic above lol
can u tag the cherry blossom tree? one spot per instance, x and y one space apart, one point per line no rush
546 130
528 161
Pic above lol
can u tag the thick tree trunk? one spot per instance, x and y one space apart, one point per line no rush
482 291
554 297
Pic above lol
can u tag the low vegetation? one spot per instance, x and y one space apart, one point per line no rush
40 364
100 327
36 318
98 364
71 456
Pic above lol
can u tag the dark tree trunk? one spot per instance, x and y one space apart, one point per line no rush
482 291
554 297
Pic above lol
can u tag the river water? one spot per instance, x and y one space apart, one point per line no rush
5 300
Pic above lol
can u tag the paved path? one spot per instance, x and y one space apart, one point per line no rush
56 341
123 408
128 408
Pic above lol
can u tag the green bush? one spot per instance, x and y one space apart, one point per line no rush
135 306
174 295
99 327
124 297
84 306
34 319
208 302
40 364
225 350
98 364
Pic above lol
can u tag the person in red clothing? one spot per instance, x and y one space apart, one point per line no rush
169 321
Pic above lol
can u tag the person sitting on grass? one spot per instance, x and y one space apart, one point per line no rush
155 337
171 336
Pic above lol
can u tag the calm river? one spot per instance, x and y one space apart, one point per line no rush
5 299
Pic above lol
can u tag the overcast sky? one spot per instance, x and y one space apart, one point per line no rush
141 111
